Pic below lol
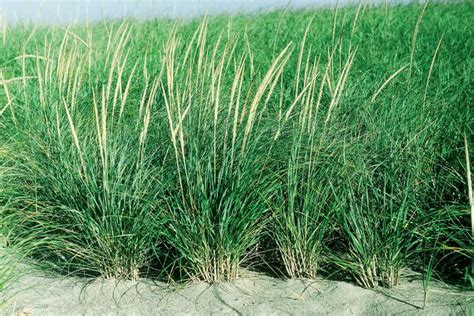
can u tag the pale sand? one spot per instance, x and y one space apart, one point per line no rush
253 294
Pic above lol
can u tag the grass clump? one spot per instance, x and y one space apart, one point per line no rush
306 204
378 233
218 208
81 178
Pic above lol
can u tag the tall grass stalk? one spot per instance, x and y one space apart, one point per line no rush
471 201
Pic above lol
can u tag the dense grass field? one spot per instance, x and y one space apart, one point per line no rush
325 142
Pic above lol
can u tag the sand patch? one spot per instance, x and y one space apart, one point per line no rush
254 294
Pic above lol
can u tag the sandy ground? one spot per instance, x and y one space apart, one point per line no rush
253 294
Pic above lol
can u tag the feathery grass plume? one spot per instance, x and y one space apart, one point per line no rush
415 35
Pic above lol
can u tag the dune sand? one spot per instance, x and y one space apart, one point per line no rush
253 294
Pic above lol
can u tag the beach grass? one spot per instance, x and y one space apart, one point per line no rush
312 141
